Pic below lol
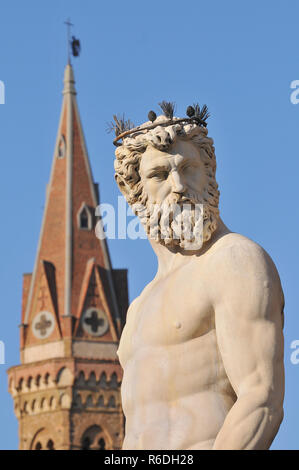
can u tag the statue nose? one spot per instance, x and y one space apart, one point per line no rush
177 183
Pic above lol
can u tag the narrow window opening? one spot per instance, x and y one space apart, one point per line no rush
84 219
111 402
102 444
86 444
50 445
61 147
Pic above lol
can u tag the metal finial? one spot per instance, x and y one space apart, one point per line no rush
69 25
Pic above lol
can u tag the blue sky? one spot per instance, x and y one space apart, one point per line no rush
238 57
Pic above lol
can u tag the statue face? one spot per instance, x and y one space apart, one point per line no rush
179 172
174 182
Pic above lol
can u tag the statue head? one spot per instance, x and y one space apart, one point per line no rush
166 167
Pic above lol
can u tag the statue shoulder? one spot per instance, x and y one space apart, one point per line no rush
238 251
236 261
133 304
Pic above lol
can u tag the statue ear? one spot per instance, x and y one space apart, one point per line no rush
124 188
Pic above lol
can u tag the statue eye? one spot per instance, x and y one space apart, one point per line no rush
160 175
189 167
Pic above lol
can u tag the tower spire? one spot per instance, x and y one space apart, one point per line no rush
74 306
69 80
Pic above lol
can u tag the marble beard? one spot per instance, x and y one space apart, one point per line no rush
186 220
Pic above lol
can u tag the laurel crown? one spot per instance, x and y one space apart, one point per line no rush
124 127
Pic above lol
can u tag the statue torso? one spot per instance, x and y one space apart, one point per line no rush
175 392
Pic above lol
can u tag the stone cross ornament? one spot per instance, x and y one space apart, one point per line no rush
95 322
202 348
43 325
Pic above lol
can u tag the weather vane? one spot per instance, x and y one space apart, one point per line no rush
73 45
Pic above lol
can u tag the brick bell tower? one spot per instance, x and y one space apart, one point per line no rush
67 389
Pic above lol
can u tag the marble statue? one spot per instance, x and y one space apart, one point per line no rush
202 348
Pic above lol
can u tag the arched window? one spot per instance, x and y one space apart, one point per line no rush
61 147
84 217
29 382
92 381
113 381
111 402
52 403
41 440
77 401
89 402
94 438
50 445
81 379
103 380
20 384
100 401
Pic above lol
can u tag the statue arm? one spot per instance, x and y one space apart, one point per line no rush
248 315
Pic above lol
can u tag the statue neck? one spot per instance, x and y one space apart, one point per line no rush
169 258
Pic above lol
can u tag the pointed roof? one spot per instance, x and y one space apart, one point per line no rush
65 247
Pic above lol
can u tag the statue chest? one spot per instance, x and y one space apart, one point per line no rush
169 312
